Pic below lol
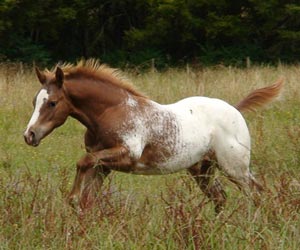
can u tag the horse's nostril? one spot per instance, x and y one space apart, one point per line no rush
31 134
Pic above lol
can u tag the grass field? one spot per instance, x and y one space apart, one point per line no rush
151 212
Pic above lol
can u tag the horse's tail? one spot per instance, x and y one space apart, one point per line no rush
260 97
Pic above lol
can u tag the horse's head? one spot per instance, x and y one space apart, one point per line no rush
51 107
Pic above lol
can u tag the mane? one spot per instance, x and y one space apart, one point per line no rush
92 68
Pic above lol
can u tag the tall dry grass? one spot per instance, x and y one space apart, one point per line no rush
150 212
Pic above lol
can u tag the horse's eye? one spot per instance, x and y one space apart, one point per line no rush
52 104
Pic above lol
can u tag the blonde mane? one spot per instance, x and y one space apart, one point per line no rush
92 68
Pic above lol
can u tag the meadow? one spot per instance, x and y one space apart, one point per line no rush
151 212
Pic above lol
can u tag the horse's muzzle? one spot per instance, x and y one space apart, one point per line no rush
31 139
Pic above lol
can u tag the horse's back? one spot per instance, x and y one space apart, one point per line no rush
210 112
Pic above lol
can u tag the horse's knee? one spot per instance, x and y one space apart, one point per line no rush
86 162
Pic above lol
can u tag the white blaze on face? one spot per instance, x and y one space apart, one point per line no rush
40 99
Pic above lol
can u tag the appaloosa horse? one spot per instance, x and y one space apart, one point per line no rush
128 132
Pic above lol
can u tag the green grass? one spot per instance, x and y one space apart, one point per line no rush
150 212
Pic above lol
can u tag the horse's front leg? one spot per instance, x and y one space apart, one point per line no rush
91 171
87 184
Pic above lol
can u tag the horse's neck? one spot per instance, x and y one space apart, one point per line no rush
90 100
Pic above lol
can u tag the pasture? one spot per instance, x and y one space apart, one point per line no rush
151 212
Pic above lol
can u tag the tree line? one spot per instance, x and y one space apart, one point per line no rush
122 32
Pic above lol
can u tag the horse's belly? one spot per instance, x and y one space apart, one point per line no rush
183 158
142 168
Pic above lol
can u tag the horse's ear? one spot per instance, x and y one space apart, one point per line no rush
41 76
59 75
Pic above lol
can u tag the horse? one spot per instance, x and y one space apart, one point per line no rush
129 132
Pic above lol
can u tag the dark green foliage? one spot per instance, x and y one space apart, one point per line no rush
123 32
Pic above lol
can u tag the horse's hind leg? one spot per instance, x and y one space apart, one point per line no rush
235 164
88 181
210 186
